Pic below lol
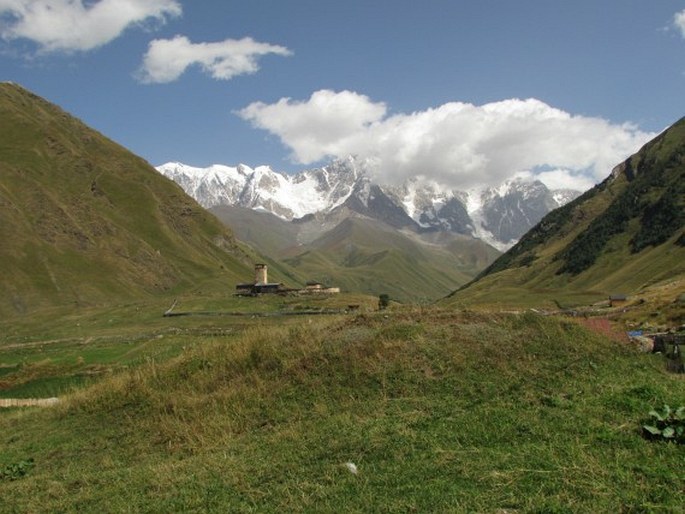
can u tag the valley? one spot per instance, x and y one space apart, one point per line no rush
335 224
363 255
446 376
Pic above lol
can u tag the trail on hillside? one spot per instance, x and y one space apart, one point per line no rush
28 402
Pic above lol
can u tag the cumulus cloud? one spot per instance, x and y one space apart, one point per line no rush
322 126
457 144
78 25
679 22
560 179
167 59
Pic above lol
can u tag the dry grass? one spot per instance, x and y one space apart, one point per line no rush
440 411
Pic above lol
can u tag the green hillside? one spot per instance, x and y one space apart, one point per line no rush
623 235
268 234
359 254
439 411
84 221
368 256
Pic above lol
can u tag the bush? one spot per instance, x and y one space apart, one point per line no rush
17 470
383 301
667 425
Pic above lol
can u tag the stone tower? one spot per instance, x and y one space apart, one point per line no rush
260 272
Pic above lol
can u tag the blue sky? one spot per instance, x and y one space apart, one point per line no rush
462 92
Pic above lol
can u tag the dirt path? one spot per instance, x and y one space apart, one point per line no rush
604 326
28 402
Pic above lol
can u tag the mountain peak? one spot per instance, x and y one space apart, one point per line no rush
497 215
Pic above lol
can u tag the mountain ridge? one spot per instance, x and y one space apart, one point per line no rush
498 216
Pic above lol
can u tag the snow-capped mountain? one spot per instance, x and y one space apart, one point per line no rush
499 216
516 206
261 188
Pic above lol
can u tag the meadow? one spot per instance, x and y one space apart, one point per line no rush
439 410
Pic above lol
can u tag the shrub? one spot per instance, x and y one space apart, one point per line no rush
667 425
17 470
383 301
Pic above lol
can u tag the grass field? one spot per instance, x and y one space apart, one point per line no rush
46 354
440 410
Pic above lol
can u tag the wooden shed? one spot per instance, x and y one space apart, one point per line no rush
616 300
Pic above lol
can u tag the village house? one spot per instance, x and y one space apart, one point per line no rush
616 300
261 285
318 288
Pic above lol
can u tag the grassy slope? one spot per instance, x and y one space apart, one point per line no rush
84 221
540 285
531 272
269 234
365 255
47 354
441 412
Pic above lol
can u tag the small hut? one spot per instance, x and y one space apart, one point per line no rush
616 300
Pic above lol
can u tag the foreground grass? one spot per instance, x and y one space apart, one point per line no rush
441 412
52 352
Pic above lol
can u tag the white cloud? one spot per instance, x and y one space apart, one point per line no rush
560 179
319 127
457 144
679 22
167 59
77 25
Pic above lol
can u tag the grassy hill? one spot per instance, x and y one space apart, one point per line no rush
440 411
268 234
364 255
368 256
83 221
622 236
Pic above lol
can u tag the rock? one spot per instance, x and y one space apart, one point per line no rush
643 344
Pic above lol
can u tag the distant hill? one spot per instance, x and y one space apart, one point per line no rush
362 254
266 233
83 220
625 234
